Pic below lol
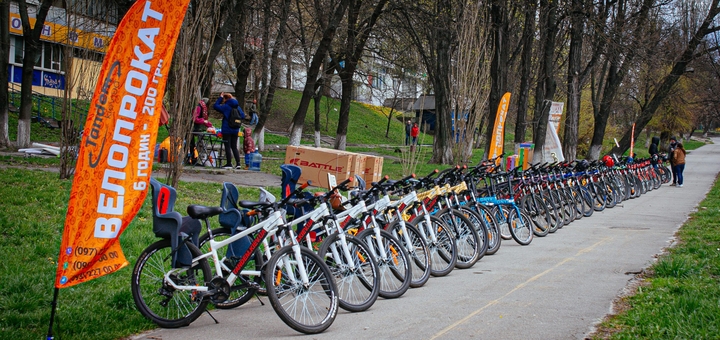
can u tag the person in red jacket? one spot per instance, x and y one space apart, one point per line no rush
200 125
414 132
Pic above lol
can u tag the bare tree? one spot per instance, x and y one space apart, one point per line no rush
678 69
578 74
268 90
499 64
546 84
329 29
526 57
470 77
201 23
431 28
361 19
32 48
626 36
82 66
4 61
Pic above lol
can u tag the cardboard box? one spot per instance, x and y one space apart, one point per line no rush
358 163
373 169
316 163
359 167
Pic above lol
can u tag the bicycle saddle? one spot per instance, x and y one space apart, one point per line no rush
202 212
254 204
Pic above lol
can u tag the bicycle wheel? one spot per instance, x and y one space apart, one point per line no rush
470 246
611 193
481 217
558 212
443 251
245 286
307 308
500 214
537 210
393 264
599 197
417 250
520 227
357 282
568 203
156 299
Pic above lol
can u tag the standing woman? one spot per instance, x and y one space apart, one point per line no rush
679 160
224 105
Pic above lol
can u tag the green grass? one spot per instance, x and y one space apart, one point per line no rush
34 207
682 290
367 122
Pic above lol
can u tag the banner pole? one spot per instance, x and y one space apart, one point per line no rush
52 313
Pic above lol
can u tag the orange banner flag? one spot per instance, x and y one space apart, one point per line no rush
498 136
632 140
116 152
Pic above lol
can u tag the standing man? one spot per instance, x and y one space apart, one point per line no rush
673 162
408 127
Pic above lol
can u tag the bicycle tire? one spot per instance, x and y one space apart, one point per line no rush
520 228
470 246
568 204
576 202
538 212
158 301
357 288
394 267
599 194
417 250
611 194
239 295
443 252
562 202
500 214
290 298
556 207
483 219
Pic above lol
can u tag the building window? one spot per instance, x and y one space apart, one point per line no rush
52 57
17 43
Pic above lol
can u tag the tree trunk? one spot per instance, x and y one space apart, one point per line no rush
33 46
296 128
233 21
498 66
268 95
4 60
572 117
317 98
669 81
545 90
344 119
356 37
442 143
526 57
615 75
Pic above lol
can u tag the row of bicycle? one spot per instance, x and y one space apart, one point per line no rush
312 253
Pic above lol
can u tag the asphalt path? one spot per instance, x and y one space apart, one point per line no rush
558 287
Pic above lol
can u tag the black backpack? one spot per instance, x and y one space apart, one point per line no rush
235 121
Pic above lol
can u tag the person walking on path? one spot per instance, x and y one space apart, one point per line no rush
224 105
408 127
679 159
653 151
671 157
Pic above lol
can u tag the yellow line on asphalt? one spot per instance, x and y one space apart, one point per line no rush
494 302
